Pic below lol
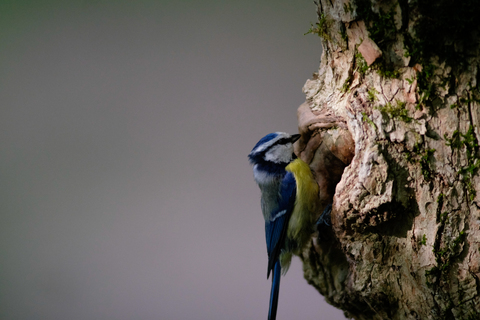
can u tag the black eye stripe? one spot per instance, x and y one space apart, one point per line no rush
283 141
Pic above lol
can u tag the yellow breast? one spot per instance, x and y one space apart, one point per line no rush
300 227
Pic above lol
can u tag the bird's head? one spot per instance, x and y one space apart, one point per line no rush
274 149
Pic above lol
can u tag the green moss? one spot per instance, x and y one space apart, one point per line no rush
347 8
471 144
468 101
383 31
360 63
425 163
470 187
424 158
424 240
367 119
320 28
381 26
397 110
372 95
426 87
408 156
440 28
446 255
346 84
343 32
386 70
469 140
440 198
474 315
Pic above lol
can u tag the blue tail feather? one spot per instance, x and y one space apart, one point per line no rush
277 273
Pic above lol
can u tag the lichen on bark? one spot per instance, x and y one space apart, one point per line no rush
391 129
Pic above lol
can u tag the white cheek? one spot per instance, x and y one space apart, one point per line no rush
280 153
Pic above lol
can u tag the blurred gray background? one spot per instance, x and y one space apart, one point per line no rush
125 128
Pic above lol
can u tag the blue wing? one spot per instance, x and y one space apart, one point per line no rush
276 226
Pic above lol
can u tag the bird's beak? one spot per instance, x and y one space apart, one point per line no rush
295 137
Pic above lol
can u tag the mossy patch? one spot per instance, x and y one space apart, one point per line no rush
423 241
366 118
446 247
383 31
396 110
360 64
321 27
346 84
425 162
469 140
372 95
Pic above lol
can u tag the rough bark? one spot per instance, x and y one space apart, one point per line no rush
391 129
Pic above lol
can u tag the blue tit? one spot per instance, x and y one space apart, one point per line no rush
289 203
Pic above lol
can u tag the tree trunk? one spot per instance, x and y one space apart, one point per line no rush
391 129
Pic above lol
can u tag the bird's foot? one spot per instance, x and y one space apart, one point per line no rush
324 223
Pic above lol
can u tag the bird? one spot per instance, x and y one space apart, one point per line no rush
289 197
